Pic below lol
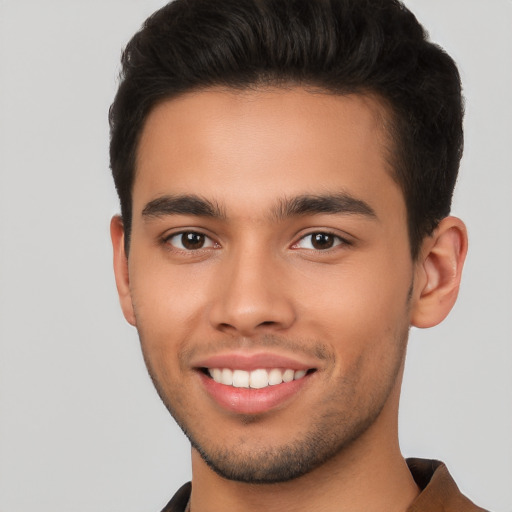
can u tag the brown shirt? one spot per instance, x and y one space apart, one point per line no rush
439 493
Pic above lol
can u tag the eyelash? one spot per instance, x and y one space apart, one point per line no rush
336 240
180 235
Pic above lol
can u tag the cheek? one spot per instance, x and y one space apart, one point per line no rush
362 309
171 305
356 294
164 295
167 307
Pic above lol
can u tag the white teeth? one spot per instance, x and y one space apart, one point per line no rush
257 379
288 375
240 379
217 374
275 376
226 377
299 374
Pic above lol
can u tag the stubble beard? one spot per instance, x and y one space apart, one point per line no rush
325 439
328 435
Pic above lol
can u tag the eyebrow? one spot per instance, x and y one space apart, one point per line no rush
182 205
341 203
306 204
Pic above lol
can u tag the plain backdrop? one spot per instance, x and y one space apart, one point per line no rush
81 429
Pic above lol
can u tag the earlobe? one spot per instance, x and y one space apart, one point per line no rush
438 273
121 268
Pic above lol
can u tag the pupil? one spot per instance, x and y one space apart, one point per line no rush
322 241
192 240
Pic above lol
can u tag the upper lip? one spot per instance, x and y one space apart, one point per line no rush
252 361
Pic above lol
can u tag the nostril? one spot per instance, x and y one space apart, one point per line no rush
225 327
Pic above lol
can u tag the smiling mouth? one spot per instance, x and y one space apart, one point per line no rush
255 379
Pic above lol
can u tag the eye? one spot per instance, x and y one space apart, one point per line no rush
319 241
189 241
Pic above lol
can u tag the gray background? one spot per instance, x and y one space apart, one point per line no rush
81 428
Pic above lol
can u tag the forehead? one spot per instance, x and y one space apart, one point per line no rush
251 145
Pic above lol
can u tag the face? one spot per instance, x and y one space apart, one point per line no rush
270 275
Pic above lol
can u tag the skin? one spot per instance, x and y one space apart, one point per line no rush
258 284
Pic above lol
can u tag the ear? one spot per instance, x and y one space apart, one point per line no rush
121 268
438 273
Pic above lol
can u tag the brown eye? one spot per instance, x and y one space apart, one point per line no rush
320 241
190 241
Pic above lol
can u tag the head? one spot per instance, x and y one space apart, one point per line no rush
285 170
341 47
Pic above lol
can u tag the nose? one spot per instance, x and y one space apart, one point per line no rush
251 296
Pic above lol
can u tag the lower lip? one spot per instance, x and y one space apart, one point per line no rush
252 401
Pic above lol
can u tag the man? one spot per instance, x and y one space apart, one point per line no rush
285 171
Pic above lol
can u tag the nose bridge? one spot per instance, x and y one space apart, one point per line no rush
251 295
